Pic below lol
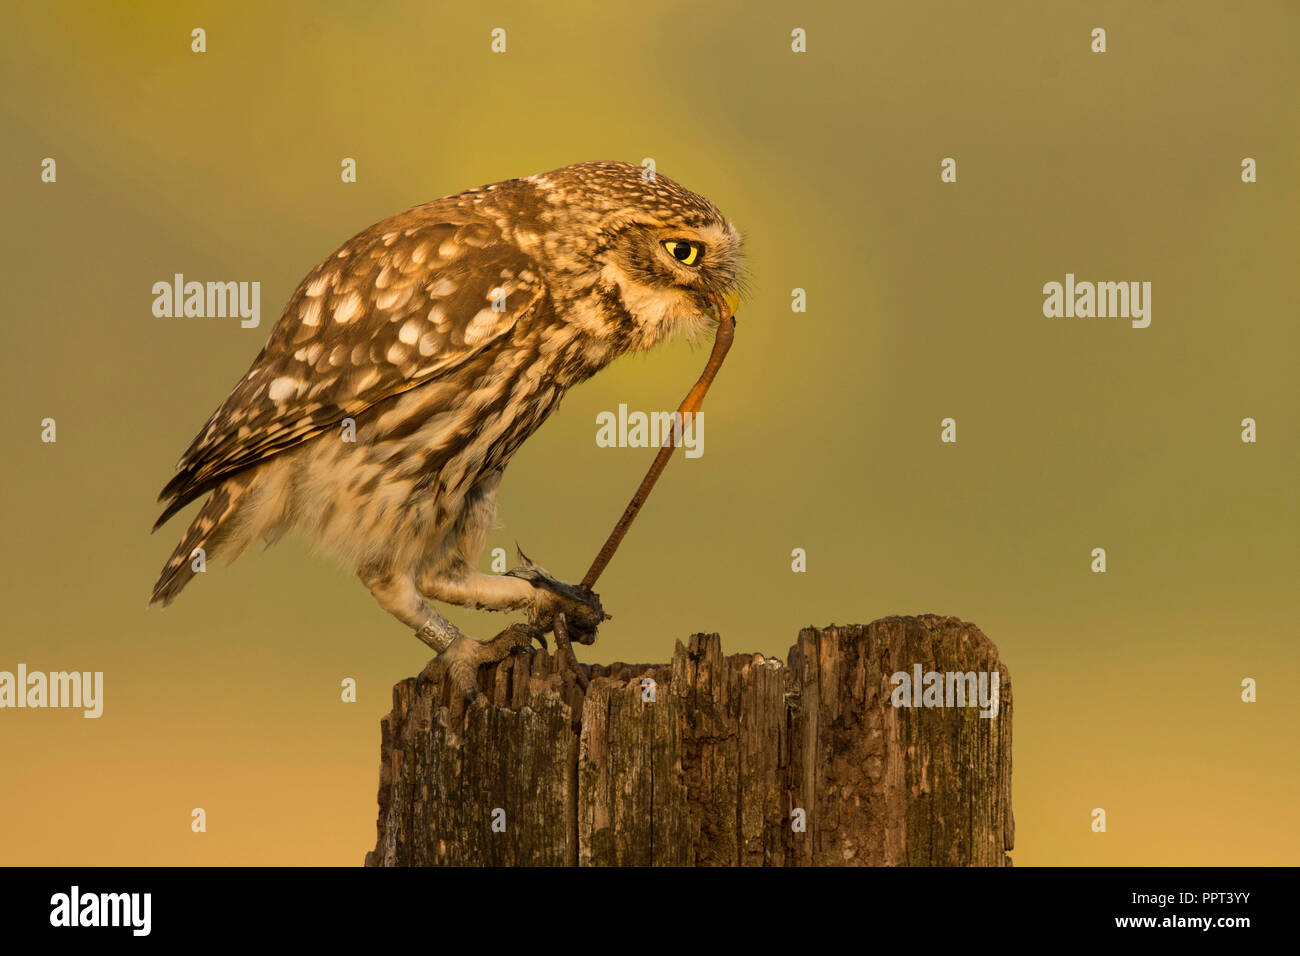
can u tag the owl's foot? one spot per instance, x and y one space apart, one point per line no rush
461 660
576 609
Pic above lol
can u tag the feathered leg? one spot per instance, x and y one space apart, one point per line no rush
458 655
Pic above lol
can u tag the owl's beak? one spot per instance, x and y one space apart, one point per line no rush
724 306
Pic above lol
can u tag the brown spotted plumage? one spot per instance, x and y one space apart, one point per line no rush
410 365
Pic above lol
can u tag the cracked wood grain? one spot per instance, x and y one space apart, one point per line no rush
709 771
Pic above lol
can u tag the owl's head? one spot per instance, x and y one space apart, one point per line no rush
644 246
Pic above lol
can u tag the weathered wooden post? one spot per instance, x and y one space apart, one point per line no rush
711 760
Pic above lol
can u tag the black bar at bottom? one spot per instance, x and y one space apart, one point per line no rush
504 908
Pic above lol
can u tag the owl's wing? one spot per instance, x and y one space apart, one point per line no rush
398 305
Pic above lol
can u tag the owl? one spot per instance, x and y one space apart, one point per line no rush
410 365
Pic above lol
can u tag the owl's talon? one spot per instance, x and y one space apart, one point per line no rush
580 607
528 635
538 635
460 662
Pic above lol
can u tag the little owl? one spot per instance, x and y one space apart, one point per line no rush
411 363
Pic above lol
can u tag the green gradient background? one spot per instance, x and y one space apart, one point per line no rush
924 302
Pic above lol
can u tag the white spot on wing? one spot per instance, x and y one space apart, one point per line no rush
282 388
483 325
439 318
348 309
394 297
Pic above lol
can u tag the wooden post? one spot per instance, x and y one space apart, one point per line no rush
707 760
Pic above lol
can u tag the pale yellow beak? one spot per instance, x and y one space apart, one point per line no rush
725 306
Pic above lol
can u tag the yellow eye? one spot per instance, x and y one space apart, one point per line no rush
687 253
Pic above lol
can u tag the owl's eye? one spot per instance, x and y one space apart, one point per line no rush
687 253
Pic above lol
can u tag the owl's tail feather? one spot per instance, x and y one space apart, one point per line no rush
211 527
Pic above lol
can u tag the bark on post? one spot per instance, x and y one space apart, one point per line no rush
704 761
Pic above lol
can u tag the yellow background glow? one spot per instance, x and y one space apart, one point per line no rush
924 301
